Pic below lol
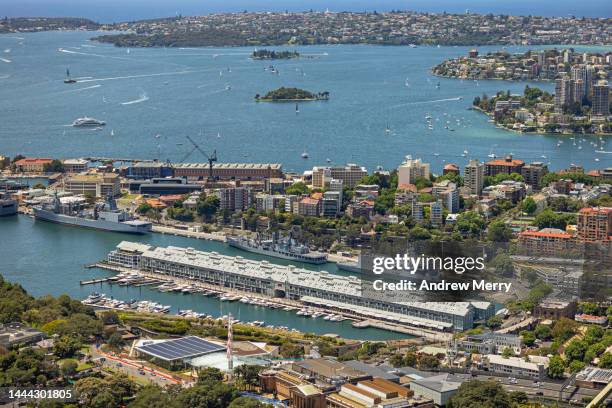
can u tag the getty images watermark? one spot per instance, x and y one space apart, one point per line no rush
416 269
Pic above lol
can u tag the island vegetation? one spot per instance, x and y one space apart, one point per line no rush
291 95
266 54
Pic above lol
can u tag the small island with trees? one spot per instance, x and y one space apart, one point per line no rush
266 54
292 95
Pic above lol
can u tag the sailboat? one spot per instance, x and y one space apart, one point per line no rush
297 109
387 129
304 155
69 80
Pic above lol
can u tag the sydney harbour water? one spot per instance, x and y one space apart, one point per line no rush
152 98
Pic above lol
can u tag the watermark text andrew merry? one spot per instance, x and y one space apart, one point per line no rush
403 263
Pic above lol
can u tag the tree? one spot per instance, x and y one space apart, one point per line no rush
470 223
576 366
499 232
248 375
66 346
428 362
575 350
528 337
477 394
556 367
144 208
68 368
55 166
153 396
519 397
209 375
503 264
115 341
564 328
507 353
549 219
396 360
298 188
208 207
529 205
248 402
494 322
605 361
542 332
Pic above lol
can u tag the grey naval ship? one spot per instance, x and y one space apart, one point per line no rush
104 216
278 247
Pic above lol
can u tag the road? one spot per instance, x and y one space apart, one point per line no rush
132 368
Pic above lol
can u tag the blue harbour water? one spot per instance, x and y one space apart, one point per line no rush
152 98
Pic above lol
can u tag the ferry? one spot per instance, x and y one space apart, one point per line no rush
86 121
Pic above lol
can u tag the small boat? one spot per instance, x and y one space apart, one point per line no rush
304 155
68 79
328 160
297 109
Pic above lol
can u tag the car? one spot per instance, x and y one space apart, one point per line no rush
539 393
141 372
119 365
153 374
102 359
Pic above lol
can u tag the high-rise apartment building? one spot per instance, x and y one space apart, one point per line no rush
473 176
601 102
410 170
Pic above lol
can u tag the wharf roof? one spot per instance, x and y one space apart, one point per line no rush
256 166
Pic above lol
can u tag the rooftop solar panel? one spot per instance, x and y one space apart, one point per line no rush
182 348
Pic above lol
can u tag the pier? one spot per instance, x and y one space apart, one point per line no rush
93 281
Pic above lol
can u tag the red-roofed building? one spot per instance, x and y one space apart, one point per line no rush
549 241
594 224
450 168
506 165
32 164
309 207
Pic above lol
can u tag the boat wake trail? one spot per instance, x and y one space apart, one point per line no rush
138 76
8 61
458 98
5 76
142 98
82 89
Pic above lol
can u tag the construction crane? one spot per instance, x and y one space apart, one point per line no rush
212 158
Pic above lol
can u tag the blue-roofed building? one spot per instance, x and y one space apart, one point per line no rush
176 353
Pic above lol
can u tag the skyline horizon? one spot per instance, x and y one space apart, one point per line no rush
114 11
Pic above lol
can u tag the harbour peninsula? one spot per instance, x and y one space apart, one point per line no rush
532 65
382 28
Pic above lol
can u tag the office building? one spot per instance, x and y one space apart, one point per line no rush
563 94
235 198
507 165
600 100
94 184
488 343
532 174
268 202
309 207
164 186
446 191
594 224
535 368
473 177
411 170
75 165
16 334
32 165
229 171
439 388
149 170
349 175
546 242
331 203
